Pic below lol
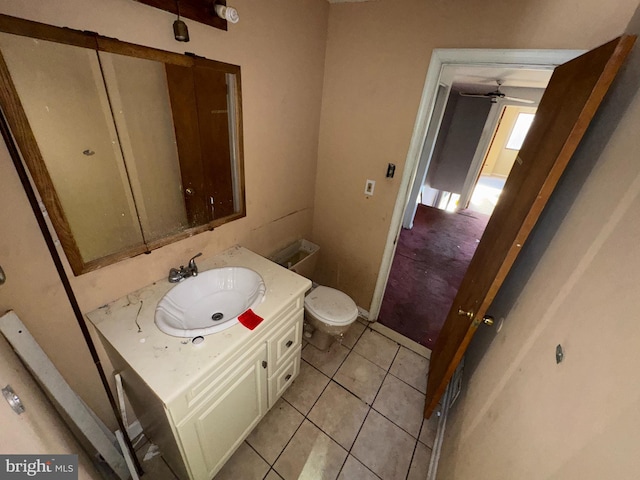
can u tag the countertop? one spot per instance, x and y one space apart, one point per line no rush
170 364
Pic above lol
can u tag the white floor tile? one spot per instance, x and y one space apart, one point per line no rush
402 404
327 362
354 470
411 368
274 431
310 455
339 414
377 348
384 447
361 377
420 463
245 464
306 389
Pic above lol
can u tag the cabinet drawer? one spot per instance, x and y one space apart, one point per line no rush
284 377
285 341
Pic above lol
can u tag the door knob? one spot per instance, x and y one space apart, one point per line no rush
190 191
469 314
488 320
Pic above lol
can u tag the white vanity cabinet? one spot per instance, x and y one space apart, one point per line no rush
214 417
199 402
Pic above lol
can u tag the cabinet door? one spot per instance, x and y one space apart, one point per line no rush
211 434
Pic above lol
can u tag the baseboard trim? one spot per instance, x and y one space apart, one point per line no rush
437 444
401 339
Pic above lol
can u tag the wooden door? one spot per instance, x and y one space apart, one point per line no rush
570 101
184 107
213 120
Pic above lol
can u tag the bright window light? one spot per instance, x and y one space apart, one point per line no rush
519 132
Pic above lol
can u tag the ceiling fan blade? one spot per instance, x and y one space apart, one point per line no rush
479 95
522 100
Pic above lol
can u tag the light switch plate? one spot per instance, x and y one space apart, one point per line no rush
369 186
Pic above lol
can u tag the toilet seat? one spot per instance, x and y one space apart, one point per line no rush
331 306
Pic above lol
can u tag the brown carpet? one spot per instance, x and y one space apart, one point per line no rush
429 264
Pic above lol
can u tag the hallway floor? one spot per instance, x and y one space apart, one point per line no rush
353 413
429 264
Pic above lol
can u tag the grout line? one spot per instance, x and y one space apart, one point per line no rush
408 384
388 372
405 431
415 448
305 415
388 419
369 407
287 443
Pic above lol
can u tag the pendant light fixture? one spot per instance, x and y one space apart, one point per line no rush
180 30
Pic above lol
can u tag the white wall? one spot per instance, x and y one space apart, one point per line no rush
522 416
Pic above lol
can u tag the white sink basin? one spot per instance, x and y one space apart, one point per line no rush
209 302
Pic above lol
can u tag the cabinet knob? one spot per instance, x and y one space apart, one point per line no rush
287 377
289 343
264 364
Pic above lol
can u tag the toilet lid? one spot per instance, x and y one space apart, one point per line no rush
331 306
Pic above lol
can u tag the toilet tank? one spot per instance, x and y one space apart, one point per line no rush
300 257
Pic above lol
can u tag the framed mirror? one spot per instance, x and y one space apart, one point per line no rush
130 148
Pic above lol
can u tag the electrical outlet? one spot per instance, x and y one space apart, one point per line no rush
369 186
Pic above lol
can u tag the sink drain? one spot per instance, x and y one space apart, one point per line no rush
217 316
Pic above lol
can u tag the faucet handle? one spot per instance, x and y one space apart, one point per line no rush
192 264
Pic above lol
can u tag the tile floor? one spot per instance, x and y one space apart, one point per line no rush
353 413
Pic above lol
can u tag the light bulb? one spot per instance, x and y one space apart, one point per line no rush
227 13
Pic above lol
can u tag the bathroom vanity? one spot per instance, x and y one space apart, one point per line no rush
198 402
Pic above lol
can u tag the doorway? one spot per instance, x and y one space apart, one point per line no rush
444 65
432 257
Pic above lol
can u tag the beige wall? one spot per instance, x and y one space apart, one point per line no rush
576 284
377 58
281 52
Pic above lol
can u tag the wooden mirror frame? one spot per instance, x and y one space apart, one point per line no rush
25 139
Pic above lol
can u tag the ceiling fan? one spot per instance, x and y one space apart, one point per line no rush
496 94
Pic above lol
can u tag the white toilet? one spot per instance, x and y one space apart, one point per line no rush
328 313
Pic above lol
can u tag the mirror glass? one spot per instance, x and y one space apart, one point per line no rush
129 151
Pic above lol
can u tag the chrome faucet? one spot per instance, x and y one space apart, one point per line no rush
178 274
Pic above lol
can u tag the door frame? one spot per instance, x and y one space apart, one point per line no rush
486 139
441 57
